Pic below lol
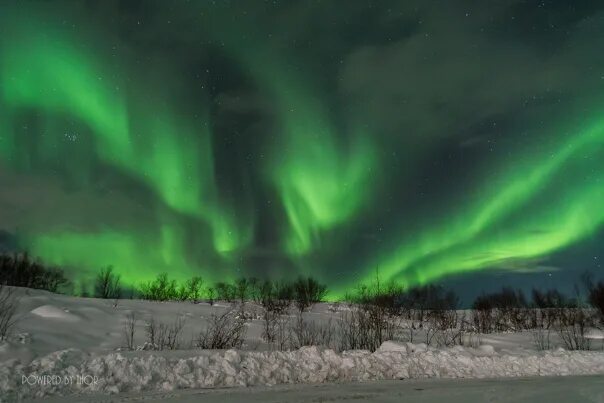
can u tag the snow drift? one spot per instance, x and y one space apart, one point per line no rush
148 371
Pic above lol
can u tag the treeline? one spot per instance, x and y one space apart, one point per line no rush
497 311
510 309
379 310
20 270
302 292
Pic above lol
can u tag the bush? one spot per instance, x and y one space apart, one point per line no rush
596 298
193 287
242 289
549 299
573 326
428 298
372 319
310 333
225 291
443 329
8 308
107 284
129 330
548 308
20 271
163 336
308 291
160 289
276 296
501 311
224 331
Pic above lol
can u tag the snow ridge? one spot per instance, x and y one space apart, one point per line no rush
124 372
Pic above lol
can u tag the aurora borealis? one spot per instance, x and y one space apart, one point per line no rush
423 139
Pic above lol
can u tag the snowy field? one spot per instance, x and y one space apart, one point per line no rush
66 345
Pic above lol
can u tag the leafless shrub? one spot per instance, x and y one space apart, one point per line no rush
283 335
8 308
211 292
541 338
353 330
269 325
276 296
501 311
468 335
129 330
311 333
276 299
107 284
573 326
483 319
276 329
366 327
225 291
443 329
308 291
243 288
595 295
159 289
20 270
226 330
192 288
375 315
165 336
409 329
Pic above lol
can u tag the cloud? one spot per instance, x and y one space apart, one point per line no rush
456 72
525 266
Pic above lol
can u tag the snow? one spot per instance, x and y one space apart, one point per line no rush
52 312
151 371
595 334
67 345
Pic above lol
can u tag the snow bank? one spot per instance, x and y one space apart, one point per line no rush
52 312
72 371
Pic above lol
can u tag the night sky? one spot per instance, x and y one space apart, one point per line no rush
427 141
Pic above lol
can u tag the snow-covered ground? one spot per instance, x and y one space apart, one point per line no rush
67 345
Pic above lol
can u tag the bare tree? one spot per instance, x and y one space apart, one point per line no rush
8 308
541 338
596 298
159 289
163 336
193 286
20 270
573 326
226 330
129 330
310 333
308 291
107 284
444 328
242 290
225 291
211 295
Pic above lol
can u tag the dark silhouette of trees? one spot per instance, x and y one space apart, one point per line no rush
308 291
107 284
160 289
20 270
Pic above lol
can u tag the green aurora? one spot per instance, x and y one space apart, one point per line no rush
277 149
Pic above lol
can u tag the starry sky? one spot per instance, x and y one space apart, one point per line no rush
427 141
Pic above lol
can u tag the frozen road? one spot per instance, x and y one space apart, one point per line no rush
574 389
